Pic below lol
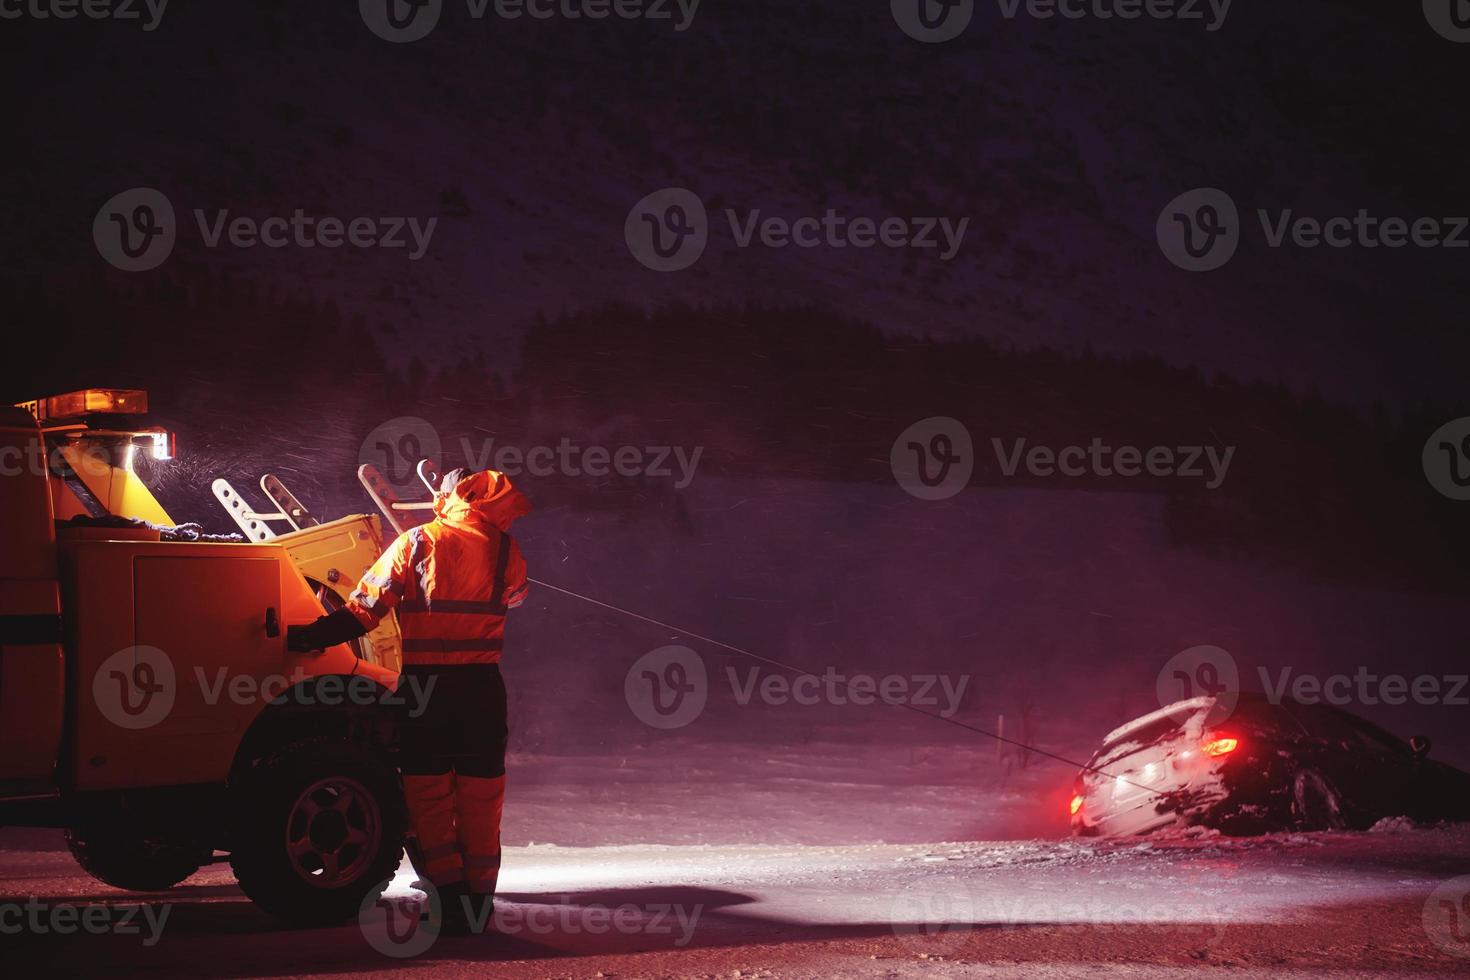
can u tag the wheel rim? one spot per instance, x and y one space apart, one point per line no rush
332 832
1316 804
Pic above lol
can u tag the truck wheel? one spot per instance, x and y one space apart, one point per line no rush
132 862
321 827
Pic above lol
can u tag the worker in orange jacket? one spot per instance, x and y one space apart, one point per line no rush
452 581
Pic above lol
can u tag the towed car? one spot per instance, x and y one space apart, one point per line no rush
1255 766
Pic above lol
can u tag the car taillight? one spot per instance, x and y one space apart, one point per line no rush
1217 747
1076 804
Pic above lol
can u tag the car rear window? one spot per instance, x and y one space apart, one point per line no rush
1149 733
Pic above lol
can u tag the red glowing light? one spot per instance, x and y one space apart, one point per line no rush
1220 746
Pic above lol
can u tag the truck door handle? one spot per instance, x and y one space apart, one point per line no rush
272 624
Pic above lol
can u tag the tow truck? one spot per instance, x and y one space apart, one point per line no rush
148 703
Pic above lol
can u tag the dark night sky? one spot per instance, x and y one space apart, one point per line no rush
1059 140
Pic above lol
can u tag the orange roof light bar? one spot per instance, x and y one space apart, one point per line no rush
75 404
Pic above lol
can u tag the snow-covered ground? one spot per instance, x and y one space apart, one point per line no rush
1373 904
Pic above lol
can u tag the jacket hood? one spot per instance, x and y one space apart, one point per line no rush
485 497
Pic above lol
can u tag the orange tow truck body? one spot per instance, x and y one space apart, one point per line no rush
144 680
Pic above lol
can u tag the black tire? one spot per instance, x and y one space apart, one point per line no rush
342 805
1315 802
130 861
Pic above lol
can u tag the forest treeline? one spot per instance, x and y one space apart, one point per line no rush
254 381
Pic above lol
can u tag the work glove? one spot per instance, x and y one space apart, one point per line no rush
299 639
339 627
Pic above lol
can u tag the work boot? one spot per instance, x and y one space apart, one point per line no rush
479 911
453 901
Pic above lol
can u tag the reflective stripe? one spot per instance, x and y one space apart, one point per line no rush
381 582
472 607
442 851
368 602
476 861
477 644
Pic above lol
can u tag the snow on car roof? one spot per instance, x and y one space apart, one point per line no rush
1188 706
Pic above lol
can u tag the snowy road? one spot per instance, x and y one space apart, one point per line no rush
1372 904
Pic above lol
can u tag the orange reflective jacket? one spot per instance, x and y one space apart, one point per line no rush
452 579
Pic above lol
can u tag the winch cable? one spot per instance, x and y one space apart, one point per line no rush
847 684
